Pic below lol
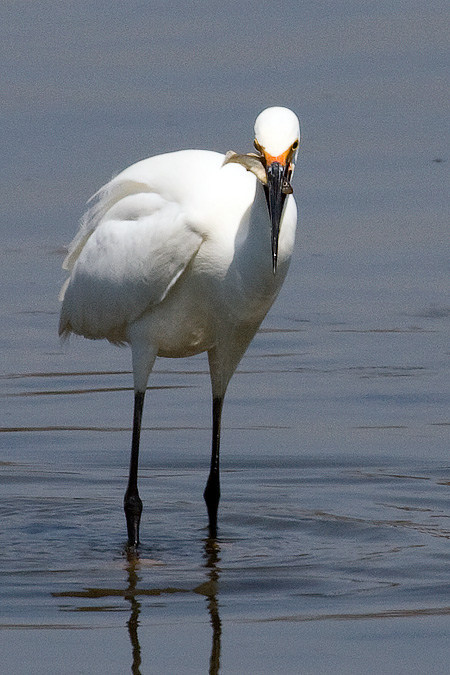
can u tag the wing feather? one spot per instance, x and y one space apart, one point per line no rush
132 247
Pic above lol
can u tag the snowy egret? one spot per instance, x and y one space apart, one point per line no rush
185 253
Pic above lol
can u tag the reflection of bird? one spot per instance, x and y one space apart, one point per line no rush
184 253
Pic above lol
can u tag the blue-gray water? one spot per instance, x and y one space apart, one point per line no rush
333 552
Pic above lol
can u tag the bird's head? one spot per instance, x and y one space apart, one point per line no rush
277 139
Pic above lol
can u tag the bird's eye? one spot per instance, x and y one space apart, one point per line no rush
295 145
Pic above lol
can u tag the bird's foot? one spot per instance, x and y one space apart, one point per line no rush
211 496
212 527
133 508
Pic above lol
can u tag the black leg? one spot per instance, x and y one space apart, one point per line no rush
211 494
132 502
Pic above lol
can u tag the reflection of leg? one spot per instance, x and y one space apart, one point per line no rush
211 494
212 551
214 661
133 621
132 502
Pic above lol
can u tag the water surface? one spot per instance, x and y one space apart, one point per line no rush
333 550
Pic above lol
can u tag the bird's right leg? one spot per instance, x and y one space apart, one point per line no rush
132 503
143 356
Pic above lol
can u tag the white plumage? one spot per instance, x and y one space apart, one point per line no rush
175 258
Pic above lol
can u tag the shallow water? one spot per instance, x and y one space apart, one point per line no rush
333 551
334 520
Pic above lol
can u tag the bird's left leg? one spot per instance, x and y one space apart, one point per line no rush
223 360
211 494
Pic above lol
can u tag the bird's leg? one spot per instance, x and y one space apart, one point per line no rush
211 494
132 503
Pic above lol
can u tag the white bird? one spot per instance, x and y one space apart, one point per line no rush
185 253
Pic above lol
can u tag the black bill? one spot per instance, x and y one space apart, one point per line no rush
276 189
